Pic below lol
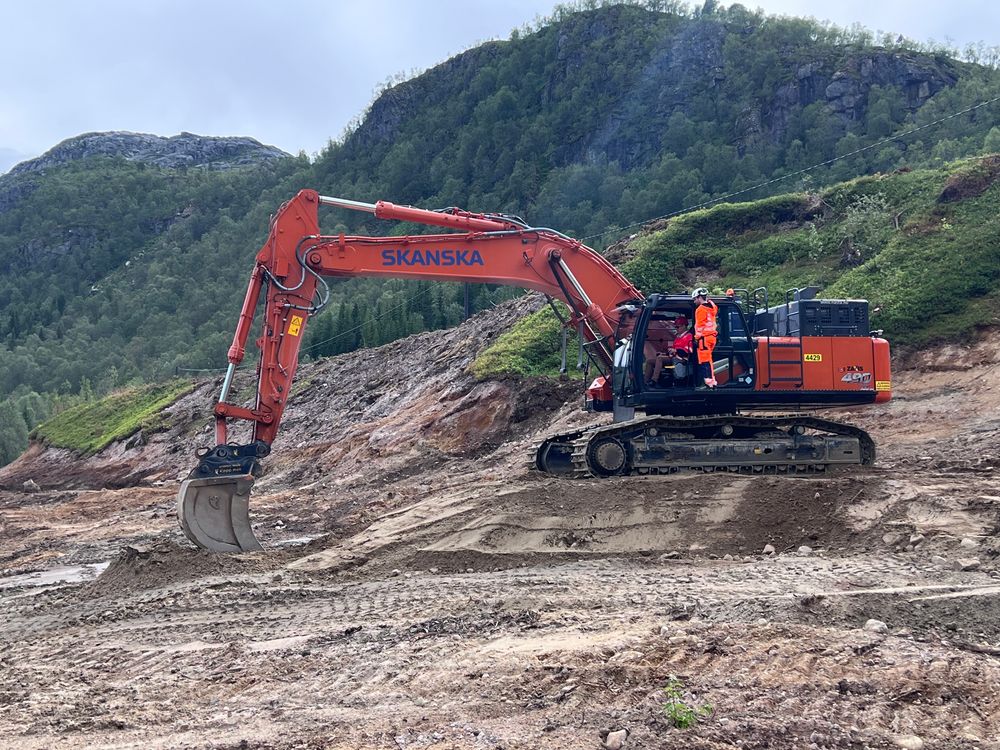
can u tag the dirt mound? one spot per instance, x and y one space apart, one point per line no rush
413 396
971 181
165 563
500 525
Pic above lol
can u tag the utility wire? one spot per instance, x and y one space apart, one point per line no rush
358 327
178 370
309 348
707 203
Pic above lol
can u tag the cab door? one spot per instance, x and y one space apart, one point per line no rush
733 358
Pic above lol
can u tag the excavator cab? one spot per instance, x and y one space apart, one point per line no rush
657 370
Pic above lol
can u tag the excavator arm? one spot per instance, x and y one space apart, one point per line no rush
289 274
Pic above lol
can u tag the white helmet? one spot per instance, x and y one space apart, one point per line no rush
699 292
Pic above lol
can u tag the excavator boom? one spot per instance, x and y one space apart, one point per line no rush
289 275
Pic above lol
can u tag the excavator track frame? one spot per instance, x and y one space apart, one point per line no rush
732 443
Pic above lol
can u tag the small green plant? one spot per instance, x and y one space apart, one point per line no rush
866 229
677 710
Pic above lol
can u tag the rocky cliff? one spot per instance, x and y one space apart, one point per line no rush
698 66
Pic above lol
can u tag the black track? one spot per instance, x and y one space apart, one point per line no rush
578 454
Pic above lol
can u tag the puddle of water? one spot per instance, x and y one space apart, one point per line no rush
68 574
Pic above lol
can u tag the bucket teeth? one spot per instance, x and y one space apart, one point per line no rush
214 513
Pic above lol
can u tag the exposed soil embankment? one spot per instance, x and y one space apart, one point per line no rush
404 403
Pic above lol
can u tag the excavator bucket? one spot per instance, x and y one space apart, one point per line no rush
214 513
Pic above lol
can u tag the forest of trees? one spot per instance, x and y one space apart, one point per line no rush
113 271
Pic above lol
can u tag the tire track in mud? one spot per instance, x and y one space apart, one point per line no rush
320 649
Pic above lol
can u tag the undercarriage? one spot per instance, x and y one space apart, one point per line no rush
737 443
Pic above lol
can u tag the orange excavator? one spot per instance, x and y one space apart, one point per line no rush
801 354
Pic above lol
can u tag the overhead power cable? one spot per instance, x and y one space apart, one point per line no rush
705 204
406 301
309 348
179 370
727 196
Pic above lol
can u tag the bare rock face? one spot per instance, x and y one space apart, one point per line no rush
184 150
844 87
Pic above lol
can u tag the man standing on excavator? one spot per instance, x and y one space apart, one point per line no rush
706 332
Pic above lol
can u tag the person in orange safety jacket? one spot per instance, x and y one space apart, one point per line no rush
706 333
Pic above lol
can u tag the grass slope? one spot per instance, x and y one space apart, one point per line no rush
923 246
90 427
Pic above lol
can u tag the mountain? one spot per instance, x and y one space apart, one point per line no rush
620 114
123 257
184 150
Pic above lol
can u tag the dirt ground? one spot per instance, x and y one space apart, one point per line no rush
422 588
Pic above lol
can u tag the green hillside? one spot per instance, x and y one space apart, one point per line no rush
115 271
923 246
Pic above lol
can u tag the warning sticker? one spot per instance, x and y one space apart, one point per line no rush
295 326
813 357
883 385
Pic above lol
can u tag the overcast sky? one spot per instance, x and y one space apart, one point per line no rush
292 73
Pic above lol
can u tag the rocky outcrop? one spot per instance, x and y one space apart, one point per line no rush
684 66
399 103
184 150
844 87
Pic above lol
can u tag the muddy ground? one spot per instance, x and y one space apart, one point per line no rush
422 588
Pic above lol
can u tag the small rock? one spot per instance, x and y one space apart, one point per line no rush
433 570
727 557
876 626
804 550
669 556
768 549
908 742
469 570
31 486
395 572
938 560
616 740
964 544
966 563
917 539
626 656
893 538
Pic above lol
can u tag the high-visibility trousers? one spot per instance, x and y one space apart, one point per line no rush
706 346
